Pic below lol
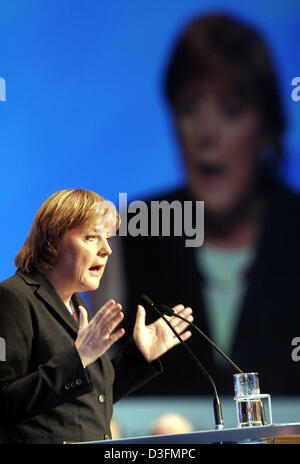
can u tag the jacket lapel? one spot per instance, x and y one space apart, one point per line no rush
46 292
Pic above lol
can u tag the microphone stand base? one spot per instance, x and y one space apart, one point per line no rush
219 427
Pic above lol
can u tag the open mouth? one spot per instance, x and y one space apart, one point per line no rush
95 269
211 172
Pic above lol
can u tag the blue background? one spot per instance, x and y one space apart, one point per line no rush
84 102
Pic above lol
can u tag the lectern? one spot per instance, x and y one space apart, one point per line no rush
274 433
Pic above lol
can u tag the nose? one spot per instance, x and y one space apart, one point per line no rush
104 248
207 128
202 126
206 140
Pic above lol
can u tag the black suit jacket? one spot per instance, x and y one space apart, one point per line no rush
46 395
166 270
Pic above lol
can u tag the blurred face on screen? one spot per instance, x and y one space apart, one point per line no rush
219 136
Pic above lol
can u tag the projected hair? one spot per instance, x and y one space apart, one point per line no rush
222 50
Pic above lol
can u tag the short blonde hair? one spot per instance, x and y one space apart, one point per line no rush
61 212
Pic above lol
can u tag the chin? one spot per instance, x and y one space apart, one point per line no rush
90 286
95 287
218 205
218 210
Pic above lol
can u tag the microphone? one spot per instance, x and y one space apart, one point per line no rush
170 312
217 404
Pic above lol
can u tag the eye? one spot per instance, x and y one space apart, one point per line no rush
90 238
232 109
232 112
187 108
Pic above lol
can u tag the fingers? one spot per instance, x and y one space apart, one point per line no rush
107 319
178 324
181 329
140 319
104 310
108 324
178 308
183 312
83 318
107 313
104 322
115 336
184 337
97 336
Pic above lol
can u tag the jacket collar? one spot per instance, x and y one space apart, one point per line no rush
46 291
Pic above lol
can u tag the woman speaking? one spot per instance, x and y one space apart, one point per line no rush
58 382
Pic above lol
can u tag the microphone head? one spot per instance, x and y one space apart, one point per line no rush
166 310
145 300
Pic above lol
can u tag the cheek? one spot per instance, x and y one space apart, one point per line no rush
84 262
68 260
234 136
243 141
78 262
241 150
185 136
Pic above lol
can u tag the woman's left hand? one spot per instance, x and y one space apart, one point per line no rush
155 339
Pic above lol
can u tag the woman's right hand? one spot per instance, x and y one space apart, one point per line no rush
94 338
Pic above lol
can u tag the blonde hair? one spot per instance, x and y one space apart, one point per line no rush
61 212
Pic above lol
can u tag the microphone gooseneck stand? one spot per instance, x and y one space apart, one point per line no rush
170 312
216 403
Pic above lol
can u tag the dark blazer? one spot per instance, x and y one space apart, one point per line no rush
46 395
166 270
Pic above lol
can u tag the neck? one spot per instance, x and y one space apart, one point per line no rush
239 229
63 289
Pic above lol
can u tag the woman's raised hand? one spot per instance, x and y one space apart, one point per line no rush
155 339
94 338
